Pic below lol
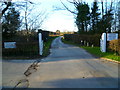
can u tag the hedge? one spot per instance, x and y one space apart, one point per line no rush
22 49
114 45
84 39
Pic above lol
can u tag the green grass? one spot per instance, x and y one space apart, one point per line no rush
96 51
47 45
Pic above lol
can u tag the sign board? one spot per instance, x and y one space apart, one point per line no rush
112 36
103 43
9 44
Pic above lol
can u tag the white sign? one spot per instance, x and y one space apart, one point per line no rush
112 36
10 44
40 44
103 43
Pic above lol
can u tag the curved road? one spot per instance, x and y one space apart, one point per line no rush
72 67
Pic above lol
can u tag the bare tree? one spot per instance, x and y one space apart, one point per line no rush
31 21
7 4
37 20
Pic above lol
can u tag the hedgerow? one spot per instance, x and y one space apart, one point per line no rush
114 45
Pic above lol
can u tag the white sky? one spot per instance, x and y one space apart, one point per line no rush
57 19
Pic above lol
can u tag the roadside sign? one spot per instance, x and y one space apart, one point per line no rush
112 36
9 44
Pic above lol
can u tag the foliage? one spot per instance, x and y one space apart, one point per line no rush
27 50
96 51
119 15
93 21
23 49
11 23
114 45
83 17
95 17
80 39
47 46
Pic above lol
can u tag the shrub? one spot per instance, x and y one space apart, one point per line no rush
23 49
114 45
92 39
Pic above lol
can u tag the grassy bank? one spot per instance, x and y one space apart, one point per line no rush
96 51
47 46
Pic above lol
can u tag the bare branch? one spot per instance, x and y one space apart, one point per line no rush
8 4
68 8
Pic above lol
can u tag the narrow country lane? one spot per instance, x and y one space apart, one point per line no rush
72 67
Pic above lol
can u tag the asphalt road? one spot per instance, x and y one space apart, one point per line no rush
72 67
13 72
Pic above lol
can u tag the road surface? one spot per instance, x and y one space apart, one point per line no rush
72 67
13 72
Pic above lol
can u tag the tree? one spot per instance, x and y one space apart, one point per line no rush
7 5
82 15
108 18
95 16
119 16
58 32
11 23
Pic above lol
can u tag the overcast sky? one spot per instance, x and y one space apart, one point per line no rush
56 19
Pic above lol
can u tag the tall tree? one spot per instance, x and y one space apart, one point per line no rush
11 23
108 18
82 14
83 17
95 16
119 16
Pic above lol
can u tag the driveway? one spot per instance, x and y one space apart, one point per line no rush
72 67
13 71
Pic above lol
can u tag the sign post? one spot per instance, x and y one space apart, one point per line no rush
112 36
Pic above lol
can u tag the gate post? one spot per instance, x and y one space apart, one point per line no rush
103 42
40 44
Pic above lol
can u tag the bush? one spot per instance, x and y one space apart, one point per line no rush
114 45
23 49
92 39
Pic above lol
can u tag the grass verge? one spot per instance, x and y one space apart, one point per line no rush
47 46
96 51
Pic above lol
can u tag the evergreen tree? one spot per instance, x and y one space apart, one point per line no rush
11 23
119 16
108 19
95 17
83 17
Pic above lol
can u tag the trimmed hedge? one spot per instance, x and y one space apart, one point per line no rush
84 39
114 45
23 49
